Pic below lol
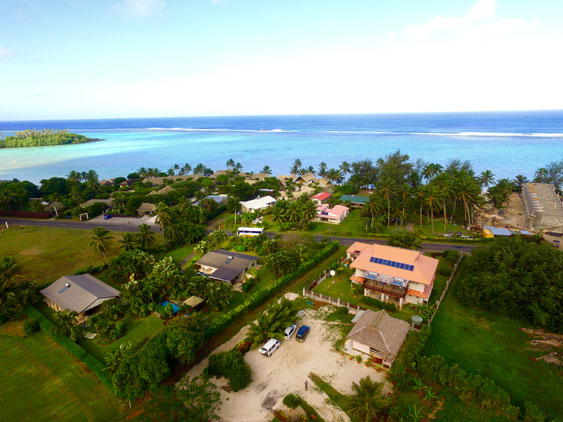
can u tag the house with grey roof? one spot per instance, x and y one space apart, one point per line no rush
78 293
377 335
228 266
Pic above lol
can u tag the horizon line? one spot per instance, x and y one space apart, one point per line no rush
285 114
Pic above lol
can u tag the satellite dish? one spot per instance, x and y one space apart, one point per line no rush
332 273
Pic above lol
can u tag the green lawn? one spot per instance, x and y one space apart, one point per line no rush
494 346
135 330
340 287
178 255
43 382
47 253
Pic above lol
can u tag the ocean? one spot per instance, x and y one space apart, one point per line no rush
507 143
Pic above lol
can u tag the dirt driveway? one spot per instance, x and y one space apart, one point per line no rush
286 372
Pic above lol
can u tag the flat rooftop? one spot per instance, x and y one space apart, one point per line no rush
543 206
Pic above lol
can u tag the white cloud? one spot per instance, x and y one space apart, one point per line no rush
5 53
136 9
480 21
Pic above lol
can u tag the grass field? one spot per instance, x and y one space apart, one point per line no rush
135 330
42 382
178 255
494 346
47 253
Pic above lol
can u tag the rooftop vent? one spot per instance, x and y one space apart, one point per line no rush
229 259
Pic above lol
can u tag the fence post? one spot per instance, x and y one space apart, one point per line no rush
338 301
303 291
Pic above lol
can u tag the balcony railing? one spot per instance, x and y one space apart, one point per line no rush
386 288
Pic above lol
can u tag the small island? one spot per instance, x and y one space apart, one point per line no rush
43 137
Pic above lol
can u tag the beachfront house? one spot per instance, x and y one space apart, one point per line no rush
356 201
321 198
79 293
333 215
227 266
377 335
257 204
393 274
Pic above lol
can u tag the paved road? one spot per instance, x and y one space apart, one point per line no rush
347 241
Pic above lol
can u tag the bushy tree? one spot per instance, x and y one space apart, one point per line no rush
272 322
231 365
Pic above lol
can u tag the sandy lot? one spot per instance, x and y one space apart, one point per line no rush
286 371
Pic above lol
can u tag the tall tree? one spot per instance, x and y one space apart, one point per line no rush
128 241
101 241
387 188
367 400
145 237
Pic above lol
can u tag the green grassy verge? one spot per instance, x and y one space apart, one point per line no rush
178 255
493 346
47 253
41 381
135 330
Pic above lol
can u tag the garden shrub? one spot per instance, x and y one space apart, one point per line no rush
370 301
31 326
451 256
444 269
292 401
231 365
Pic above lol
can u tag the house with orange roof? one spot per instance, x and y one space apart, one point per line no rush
321 197
393 274
334 215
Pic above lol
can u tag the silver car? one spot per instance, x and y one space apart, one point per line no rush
289 331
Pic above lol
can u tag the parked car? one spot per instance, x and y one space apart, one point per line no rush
289 331
270 347
302 333
107 216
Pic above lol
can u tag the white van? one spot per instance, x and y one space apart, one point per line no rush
270 347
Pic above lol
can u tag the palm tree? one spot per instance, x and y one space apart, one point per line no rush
445 185
218 294
487 177
272 322
344 168
520 180
185 169
433 200
387 187
267 170
145 237
540 175
74 176
293 212
467 191
309 210
199 169
163 215
371 209
296 166
322 169
113 358
367 401
100 242
404 239
128 241
230 164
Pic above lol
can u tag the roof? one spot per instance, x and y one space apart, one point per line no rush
380 332
162 191
228 264
193 301
219 199
424 267
95 201
323 181
337 211
160 180
85 292
308 177
355 199
258 203
322 196
498 231
357 247
147 206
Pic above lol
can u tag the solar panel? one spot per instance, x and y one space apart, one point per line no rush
393 264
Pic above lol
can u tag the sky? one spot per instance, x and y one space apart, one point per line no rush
68 59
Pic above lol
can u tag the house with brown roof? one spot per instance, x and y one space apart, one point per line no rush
146 208
377 335
393 274
78 293
228 266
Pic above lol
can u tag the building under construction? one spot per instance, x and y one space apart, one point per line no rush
543 206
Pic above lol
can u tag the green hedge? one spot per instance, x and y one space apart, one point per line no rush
74 349
378 303
259 296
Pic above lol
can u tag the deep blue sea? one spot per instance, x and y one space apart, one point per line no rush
508 143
